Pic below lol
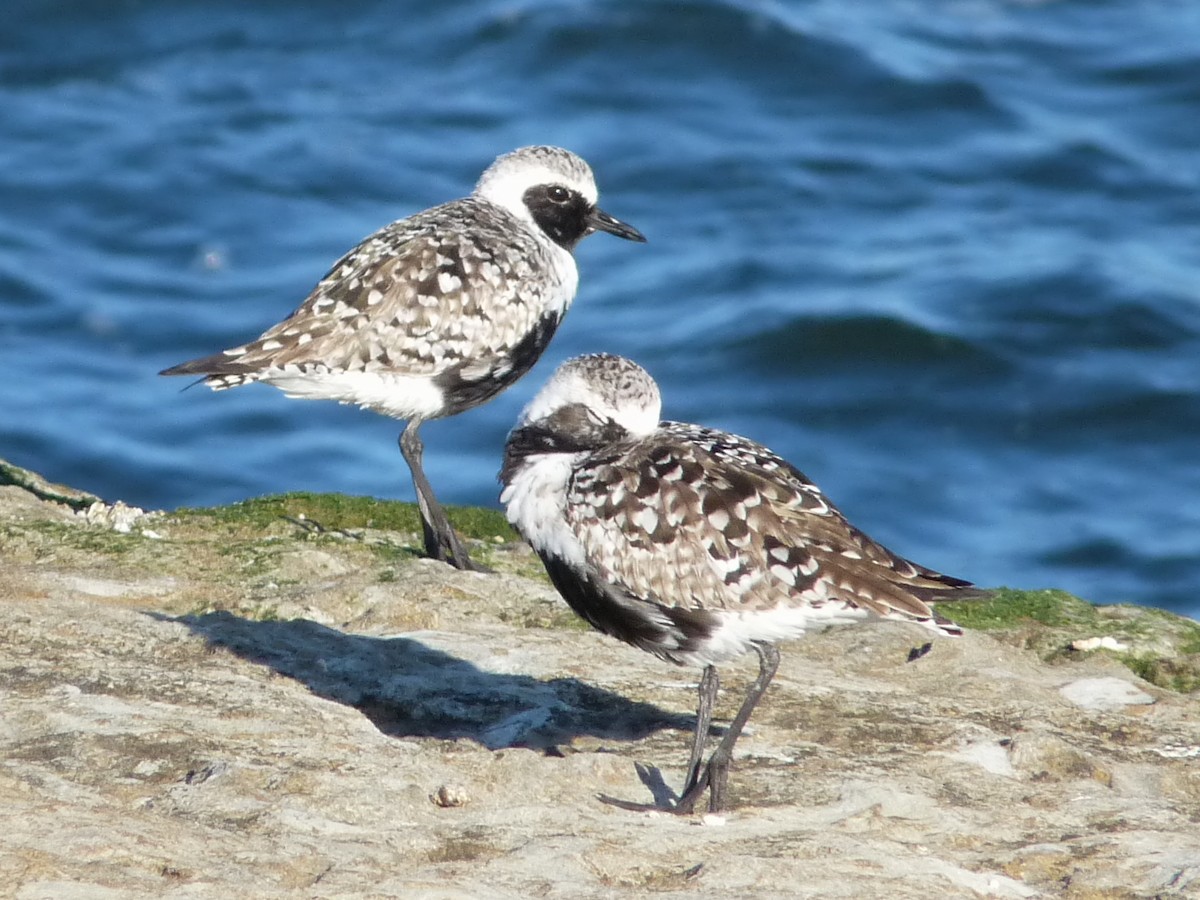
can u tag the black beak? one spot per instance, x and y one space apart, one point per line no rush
599 220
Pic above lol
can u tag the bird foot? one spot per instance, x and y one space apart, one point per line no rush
686 805
469 565
629 805
454 554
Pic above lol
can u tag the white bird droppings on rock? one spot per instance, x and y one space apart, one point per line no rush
989 755
1104 694
1108 642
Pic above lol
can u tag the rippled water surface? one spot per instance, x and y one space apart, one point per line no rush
945 256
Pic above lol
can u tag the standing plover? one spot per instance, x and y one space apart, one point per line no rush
436 313
693 544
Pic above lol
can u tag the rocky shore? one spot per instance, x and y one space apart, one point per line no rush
280 699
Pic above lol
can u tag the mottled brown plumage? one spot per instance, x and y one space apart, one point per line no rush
436 313
690 543
691 523
449 293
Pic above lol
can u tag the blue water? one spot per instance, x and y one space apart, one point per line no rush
945 256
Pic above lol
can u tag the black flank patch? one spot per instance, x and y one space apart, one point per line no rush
462 393
628 618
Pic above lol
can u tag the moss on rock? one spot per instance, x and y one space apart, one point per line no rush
43 489
244 554
1157 645
342 512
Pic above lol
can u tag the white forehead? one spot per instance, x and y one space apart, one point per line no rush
612 386
507 179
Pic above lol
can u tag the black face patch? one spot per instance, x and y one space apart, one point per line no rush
560 212
569 429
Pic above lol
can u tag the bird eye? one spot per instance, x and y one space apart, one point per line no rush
559 194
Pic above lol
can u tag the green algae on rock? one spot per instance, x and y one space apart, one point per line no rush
1157 645
235 700
338 512
248 549
43 489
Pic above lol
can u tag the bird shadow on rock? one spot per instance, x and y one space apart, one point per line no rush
408 689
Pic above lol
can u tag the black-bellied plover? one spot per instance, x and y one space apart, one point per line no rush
693 544
436 313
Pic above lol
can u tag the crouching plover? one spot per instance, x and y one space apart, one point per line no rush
693 544
436 313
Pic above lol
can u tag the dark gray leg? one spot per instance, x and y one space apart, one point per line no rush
709 685
440 540
716 774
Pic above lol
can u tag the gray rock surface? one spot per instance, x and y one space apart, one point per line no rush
194 711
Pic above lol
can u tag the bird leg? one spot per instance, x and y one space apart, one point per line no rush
709 685
716 774
441 542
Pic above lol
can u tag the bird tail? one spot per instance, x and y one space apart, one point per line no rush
219 371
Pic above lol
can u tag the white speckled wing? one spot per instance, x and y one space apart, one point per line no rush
668 521
741 451
461 284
